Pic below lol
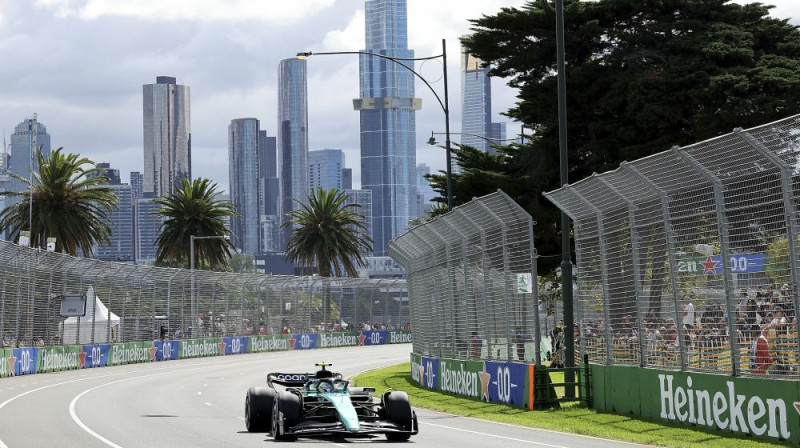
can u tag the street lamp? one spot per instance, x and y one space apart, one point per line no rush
444 104
192 239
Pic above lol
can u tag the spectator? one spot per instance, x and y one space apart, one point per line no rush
475 345
760 359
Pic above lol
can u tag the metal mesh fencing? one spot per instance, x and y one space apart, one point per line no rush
471 277
135 303
688 259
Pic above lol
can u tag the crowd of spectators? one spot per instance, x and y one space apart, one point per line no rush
764 324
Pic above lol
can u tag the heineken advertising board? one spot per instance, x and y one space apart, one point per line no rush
198 348
739 264
267 343
764 408
5 361
425 371
235 345
132 352
166 350
94 355
303 341
56 359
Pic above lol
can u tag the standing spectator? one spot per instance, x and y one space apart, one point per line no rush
475 345
760 359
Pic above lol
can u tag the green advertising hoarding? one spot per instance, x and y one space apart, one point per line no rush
766 408
132 352
5 367
399 337
344 339
56 359
463 378
197 348
268 343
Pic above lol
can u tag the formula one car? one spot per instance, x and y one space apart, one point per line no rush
322 404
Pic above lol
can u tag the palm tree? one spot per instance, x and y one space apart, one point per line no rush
329 235
69 203
193 210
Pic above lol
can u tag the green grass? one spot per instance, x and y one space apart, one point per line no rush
571 418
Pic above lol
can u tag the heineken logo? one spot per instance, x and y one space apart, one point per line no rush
460 381
59 361
125 355
194 349
338 340
269 344
724 409
396 337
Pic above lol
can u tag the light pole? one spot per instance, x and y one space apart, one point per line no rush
192 239
432 141
444 104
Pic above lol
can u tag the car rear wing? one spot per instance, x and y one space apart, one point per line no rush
289 379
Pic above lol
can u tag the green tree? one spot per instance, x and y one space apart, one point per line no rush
328 234
193 210
242 263
642 76
68 204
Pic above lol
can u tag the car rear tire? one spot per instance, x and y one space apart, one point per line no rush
398 411
288 407
258 409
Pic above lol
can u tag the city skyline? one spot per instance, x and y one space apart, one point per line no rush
55 65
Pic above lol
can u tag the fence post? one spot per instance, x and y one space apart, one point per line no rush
465 337
603 273
637 274
506 273
722 228
673 262
487 323
790 213
450 281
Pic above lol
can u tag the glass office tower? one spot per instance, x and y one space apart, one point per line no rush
476 106
292 136
167 135
325 169
243 174
20 162
387 106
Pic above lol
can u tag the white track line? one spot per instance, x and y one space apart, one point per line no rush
512 439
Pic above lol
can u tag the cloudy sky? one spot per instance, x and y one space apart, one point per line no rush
81 64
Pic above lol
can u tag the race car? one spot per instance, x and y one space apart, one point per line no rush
323 404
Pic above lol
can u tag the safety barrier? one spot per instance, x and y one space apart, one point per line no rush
518 384
31 360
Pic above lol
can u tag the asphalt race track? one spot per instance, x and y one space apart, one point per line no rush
199 403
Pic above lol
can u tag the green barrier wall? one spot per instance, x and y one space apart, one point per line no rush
5 368
267 343
196 348
344 339
764 408
132 352
56 359
460 377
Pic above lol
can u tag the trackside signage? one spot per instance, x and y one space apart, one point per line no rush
96 355
348 339
766 408
54 359
196 348
723 406
267 343
461 377
399 336
425 371
4 362
504 382
132 352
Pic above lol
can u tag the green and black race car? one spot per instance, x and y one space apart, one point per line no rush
322 404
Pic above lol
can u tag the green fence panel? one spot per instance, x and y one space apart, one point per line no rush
399 337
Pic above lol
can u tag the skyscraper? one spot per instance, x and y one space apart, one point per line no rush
268 173
121 222
167 135
243 174
476 106
20 162
137 184
111 173
325 169
292 135
388 128
148 227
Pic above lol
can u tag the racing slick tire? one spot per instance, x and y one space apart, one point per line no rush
286 406
258 409
398 411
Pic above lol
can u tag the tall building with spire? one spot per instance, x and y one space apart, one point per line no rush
292 136
388 128
167 135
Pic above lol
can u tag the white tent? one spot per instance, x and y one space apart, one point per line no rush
78 330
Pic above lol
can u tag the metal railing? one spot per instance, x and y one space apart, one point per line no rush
137 303
472 282
685 258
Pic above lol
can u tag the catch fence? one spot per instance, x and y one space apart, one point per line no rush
472 283
128 302
685 258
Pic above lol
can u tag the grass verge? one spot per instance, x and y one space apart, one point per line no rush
571 418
